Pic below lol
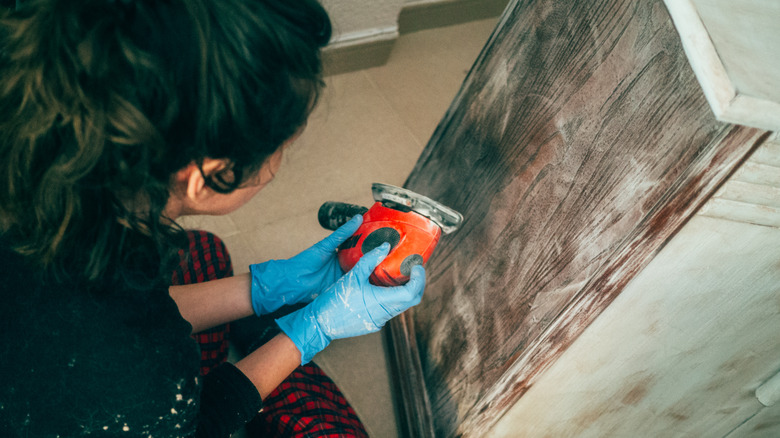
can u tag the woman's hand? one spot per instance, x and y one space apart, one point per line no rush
351 307
300 279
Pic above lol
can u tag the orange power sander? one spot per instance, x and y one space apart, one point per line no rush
409 222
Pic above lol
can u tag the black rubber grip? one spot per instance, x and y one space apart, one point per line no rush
380 236
409 262
335 214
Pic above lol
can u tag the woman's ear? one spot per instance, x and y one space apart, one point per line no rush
191 194
197 189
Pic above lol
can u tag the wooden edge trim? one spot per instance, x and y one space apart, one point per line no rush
753 111
727 103
702 56
412 407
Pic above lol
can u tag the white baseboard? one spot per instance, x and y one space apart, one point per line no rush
359 51
372 48
427 14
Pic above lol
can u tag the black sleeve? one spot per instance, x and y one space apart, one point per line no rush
228 401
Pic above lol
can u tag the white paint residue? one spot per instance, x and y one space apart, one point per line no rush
321 319
461 305
492 93
346 295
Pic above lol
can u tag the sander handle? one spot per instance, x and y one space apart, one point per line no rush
335 214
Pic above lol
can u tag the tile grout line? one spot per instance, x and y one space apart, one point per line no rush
375 85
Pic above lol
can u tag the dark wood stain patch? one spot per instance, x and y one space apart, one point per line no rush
637 393
578 145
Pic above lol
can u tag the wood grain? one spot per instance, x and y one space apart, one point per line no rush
679 353
578 145
413 409
683 349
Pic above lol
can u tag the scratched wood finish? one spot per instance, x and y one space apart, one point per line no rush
578 145
679 353
684 347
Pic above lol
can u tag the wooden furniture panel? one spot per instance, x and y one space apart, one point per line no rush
577 147
765 424
732 47
684 347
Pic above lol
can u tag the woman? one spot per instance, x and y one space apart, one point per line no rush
117 117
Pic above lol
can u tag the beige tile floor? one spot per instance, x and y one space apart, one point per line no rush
370 126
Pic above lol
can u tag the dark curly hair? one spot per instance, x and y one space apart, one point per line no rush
103 101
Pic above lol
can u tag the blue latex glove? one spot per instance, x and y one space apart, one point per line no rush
351 307
276 283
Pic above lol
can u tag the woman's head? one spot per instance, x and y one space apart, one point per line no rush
103 101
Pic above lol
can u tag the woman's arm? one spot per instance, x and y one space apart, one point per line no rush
270 364
232 394
215 302
267 287
205 305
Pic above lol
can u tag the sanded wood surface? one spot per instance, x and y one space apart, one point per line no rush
683 349
579 144
679 353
